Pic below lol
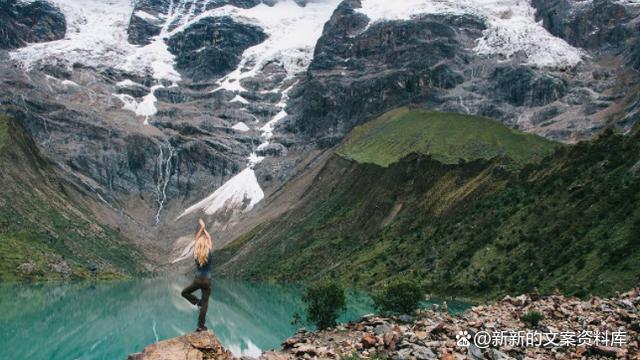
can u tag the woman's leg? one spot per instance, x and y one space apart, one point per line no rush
204 302
187 292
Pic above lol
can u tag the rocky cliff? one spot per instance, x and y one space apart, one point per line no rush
170 110
47 228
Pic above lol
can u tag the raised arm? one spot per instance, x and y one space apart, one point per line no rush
201 229
206 233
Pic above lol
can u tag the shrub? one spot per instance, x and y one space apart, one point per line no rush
399 297
532 318
325 301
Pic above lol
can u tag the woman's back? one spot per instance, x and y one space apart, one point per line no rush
205 269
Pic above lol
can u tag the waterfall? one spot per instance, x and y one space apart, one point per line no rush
164 176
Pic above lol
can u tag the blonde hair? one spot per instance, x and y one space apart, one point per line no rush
203 245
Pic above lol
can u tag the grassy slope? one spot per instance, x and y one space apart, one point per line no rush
447 137
41 224
475 229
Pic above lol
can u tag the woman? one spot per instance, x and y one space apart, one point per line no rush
202 252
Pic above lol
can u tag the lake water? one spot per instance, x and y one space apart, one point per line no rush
112 320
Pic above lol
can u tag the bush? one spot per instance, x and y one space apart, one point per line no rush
399 297
532 318
325 301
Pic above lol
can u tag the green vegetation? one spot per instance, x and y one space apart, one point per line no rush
477 229
447 137
401 296
44 233
532 318
325 301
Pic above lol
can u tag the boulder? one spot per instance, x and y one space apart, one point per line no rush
192 346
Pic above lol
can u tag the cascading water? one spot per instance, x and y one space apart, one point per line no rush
165 170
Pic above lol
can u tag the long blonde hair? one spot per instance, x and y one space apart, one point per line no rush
203 245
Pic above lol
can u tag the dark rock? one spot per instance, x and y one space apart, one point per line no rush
585 24
273 149
133 89
141 30
29 22
543 115
212 47
521 86
357 73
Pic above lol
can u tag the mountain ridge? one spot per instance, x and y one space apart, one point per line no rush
474 229
45 232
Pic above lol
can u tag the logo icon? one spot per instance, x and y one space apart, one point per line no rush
463 338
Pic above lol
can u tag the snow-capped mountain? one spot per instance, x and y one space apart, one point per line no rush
166 110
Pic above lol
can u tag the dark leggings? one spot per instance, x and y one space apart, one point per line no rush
203 284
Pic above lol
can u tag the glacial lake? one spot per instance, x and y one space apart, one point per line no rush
109 320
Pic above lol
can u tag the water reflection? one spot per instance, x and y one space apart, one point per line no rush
111 320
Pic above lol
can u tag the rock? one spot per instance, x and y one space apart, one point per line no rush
26 268
405 318
192 346
535 294
607 351
369 341
423 353
23 22
303 349
212 47
404 354
493 354
61 267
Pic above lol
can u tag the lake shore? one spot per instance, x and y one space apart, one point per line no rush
570 328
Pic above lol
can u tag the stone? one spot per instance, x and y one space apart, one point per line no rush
192 346
423 353
607 351
404 354
369 341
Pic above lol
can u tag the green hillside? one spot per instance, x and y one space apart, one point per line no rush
447 137
44 233
475 229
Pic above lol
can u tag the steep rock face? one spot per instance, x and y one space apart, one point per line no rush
212 47
145 21
592 24
362 67
356 75
47 229
29 22
522 86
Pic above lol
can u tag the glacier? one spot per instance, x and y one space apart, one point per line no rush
511 27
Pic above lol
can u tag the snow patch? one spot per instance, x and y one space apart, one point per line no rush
511 27
292 31
96 35
69 83
127 83
146 16
239 99
241 191
241 127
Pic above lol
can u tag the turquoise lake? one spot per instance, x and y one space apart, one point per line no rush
112 320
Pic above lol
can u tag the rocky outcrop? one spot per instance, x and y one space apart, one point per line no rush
213 47
362 69
357 74
193 346
435 334
29 22
587 24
